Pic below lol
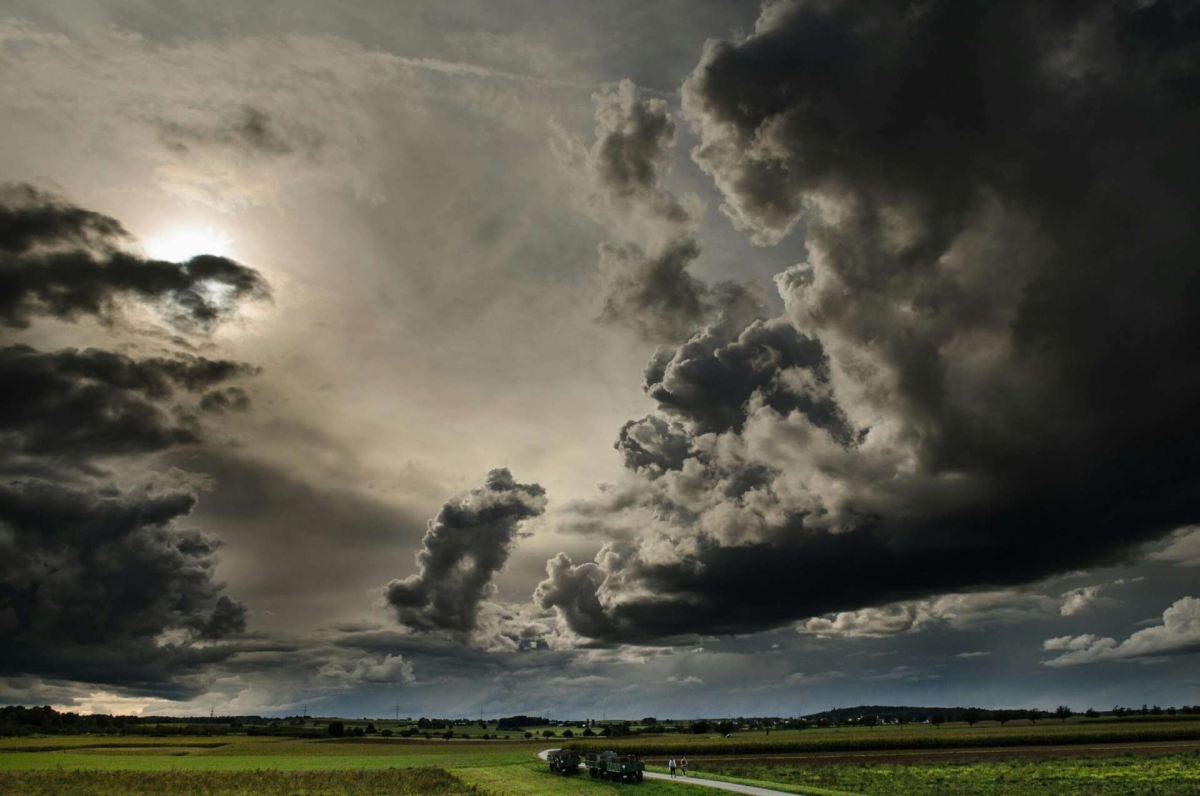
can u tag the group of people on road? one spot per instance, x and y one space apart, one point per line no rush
682 765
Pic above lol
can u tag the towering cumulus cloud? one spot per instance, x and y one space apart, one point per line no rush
987 370
647 286
97 582
466 545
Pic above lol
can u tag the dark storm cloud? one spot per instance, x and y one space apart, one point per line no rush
31 218
573 590
60 261
81 404
632 153
98 584
247 129
654 445
228 399
994 330
708 380
90 577
653 293
466 545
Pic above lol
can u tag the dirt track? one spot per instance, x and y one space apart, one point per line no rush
942 755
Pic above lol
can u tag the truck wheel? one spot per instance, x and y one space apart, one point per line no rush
639 776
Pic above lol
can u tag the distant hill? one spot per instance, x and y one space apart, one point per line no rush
911 713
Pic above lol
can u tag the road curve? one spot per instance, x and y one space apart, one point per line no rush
751 790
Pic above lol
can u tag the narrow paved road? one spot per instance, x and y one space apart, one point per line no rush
712 783
708 783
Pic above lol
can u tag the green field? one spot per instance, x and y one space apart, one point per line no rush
394 782
918 736
240 765
234 753
1116 775
245 765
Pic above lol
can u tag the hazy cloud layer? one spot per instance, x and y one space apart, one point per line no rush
229 122
646 282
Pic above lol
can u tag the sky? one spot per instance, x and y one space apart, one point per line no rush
600 360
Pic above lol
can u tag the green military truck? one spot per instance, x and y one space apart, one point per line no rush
614 767
563 761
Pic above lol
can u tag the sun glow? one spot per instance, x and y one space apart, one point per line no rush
184 243
108 702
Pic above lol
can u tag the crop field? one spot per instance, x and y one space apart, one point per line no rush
244 765
1114 775
851 739
107 766
234 753
394 782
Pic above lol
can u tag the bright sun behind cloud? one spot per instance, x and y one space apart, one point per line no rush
184 243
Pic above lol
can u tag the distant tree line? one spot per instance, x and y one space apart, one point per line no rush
22 720
518 722
45 720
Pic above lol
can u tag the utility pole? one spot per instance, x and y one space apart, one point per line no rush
397 712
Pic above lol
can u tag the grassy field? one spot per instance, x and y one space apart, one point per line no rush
244 765
1169 775
918 736
234 753
394 782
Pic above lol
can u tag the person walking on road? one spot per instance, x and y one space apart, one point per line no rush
671 765
683 766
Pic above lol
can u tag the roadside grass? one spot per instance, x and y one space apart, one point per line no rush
533 778
804 790
1168 775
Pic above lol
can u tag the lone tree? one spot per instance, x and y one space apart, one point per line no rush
937 720
971 717
1063 712
336 728
528 735
547 733
868 721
